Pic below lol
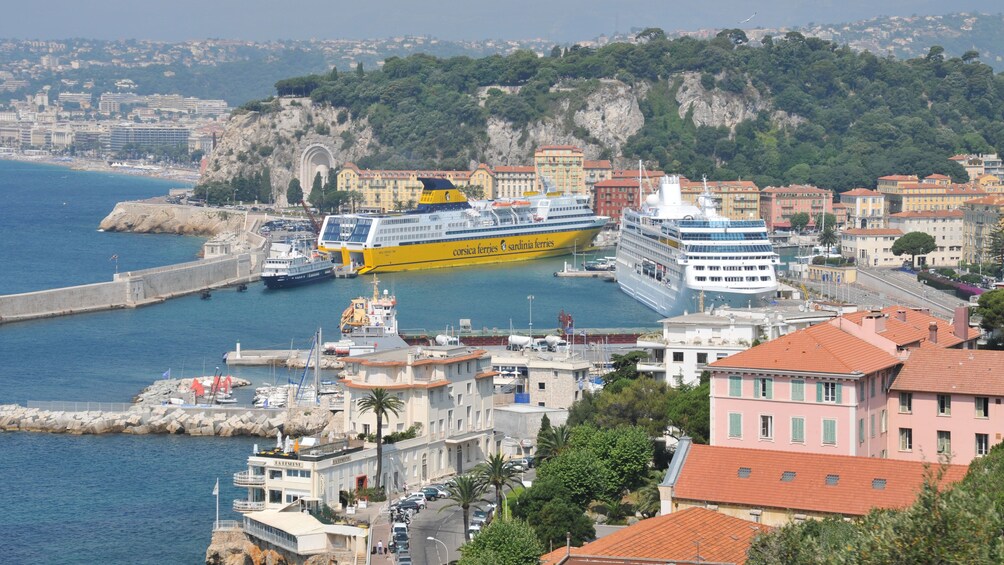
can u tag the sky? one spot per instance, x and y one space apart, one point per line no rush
561 21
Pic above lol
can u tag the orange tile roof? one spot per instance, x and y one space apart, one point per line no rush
669 538
900 177
711 474
744 184
817 349
633 173
872 231
601 164
861 192
928 214
937 176
952 371
993 200
916 327
558 148
615 183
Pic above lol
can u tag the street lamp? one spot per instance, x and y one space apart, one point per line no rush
438 556
530 298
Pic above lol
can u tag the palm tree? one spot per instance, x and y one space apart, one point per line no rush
380 402
465 491
553 441
828 237
497 472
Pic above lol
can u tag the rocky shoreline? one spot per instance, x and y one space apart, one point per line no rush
156 217
175 420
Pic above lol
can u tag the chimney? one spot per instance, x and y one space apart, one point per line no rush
961 323
932 329
901 315
873 322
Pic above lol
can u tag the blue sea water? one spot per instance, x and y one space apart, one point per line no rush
118 499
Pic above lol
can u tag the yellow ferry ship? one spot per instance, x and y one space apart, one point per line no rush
447 230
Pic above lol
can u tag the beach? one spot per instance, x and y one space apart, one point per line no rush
181 174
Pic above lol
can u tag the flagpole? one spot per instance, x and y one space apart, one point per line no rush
216 491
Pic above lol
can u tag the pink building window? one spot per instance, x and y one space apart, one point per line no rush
906 439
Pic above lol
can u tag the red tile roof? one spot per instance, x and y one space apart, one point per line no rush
993 200
670 538
916 327
953 371
872 231
817 349
686 184
937 176
512 169
796 188
711 474
601 164
900 177
861 192
928 214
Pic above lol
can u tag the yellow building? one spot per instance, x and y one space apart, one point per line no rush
865 208
736 199
907 193
989 184
562 166
596 171
384 190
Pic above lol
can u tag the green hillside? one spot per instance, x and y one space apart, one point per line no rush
862 116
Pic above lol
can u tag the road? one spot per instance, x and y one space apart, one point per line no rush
892 287
446 525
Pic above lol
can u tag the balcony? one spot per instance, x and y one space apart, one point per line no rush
651 367
245 479
248 506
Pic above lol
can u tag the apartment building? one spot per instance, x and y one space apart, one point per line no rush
384 189
980 217
945 226
779 204
736 200
907 193
513 182
865 208
871 247
562 166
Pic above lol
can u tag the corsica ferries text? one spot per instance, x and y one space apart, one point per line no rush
504 247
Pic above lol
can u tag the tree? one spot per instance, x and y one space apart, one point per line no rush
294 194
828 237
381 403
690 410
824 220
991 309
465 491
359 70
503 542
583 410
626 451
913 244
644 402
472 192
553 441
498 473
542 491
799 221
559 517
995 245
581 472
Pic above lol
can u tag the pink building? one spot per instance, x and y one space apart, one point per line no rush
779 204
946 404
826 389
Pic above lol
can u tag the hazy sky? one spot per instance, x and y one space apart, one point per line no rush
556 20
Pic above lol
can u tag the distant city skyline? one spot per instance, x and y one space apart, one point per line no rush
561 21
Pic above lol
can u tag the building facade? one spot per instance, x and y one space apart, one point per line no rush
514 182
779 204
392 189
908 193
561 167
980 217
865 208
945 226
612 197
871 247
736 200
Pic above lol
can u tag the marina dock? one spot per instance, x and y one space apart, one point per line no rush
575 274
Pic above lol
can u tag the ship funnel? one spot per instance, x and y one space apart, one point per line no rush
670 193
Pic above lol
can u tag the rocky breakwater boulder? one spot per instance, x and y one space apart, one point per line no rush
152 217
230 547
194 421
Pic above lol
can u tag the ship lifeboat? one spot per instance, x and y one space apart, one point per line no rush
501 204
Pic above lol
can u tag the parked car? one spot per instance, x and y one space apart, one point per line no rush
515 464
443 491
479 517
418 499
474 530
431 493
409 504
400 537
399 528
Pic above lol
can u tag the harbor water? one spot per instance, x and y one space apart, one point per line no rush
147 499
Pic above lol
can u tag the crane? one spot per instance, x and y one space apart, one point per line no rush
313 220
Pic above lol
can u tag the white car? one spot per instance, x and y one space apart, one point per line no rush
418 498
474 530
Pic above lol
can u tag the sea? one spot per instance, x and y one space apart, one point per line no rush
148 499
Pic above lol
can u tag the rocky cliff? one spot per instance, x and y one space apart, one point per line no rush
148 217
599 116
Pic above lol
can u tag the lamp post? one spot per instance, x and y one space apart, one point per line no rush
530 298
440 557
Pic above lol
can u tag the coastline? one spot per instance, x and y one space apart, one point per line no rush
180 174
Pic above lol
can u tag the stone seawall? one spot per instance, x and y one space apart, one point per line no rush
194 421
132 289
158 217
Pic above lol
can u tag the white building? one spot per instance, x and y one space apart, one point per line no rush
871 247
445 390
691 341
299 535
542 379
945 226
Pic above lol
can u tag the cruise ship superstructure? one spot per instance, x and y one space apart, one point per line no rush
448 230
675 257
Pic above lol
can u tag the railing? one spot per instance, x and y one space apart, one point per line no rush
248 506
227 526
521 398
245 479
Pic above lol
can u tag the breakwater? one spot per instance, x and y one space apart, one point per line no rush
132 289
178 420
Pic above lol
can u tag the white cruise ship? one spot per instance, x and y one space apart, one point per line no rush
289 264
675 257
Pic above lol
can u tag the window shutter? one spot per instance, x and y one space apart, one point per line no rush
797 429
819 392
838 393
770 388
735 425
829 432
735 386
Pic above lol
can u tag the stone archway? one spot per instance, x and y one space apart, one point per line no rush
316 158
